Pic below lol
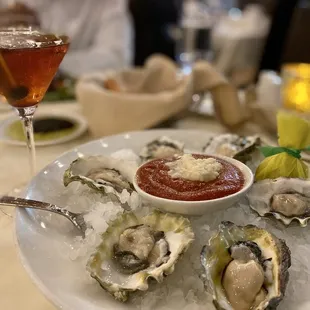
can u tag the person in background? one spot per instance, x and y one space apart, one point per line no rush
99 30
152 19
275 43
268 5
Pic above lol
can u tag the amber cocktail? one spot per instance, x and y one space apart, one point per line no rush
28 62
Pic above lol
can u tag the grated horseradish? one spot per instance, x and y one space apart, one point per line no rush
190 168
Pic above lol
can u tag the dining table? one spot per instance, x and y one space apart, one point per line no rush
17 291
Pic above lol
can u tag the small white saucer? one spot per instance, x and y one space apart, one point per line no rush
80 128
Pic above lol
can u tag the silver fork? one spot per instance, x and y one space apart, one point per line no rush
76 219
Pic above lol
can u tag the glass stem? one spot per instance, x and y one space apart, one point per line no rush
26 116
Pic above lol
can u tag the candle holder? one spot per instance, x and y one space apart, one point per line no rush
296 86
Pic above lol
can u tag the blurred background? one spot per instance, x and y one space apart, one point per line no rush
259 47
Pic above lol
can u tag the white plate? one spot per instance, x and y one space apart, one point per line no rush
81 127
44 246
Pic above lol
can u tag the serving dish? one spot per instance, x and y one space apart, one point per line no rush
47 245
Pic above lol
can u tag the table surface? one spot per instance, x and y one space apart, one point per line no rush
16 288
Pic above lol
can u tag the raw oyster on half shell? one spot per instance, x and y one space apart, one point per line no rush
110 176
160 148
287 199
232 145
135 249
246 268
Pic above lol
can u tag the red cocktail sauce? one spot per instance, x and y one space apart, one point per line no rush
153 178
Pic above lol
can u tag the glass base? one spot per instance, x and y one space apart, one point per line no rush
7 211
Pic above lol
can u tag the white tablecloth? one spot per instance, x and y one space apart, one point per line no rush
16 289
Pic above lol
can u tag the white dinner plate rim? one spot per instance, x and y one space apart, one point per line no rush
33 277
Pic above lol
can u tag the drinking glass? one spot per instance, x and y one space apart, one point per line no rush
193 35
29 59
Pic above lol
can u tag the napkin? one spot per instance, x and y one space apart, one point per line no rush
138 98
159 74
285 160
227 105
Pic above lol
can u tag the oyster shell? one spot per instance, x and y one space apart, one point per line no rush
246 268
287 199
134 249
232 145
108 175
160 148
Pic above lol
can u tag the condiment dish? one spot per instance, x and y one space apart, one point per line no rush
203 206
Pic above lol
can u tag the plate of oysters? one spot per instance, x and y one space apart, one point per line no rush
249 253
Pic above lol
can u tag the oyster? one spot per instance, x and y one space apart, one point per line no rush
105 174
160 148
246 268
287 199
134 249
232 145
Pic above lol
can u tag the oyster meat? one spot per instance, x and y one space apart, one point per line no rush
135 249
108 175
161 148
287 199
246 268
231 145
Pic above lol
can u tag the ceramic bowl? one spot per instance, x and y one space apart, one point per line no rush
203 206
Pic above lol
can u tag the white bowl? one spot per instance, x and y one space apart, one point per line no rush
202 206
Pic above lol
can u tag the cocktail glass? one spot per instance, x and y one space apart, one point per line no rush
29 59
